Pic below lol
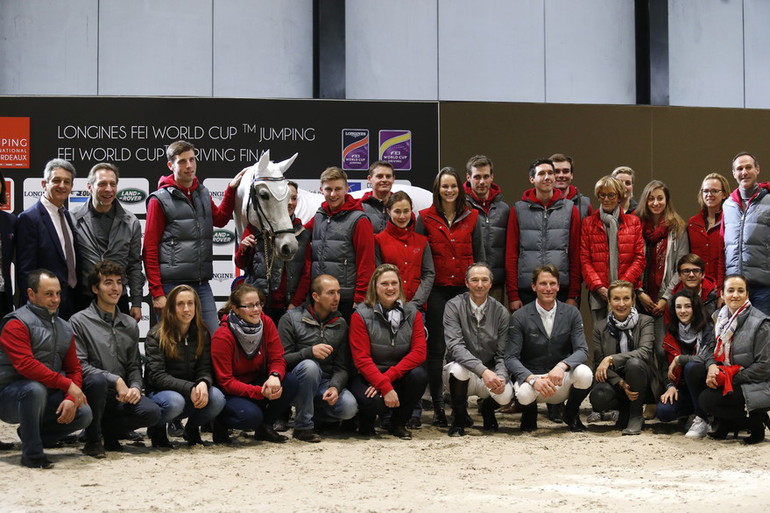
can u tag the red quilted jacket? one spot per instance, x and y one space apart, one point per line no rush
452 247
595 252
709 245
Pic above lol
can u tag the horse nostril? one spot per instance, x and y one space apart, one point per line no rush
285 251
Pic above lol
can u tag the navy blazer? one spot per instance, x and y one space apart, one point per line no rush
38 247
7 236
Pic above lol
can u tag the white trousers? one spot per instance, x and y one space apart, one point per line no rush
476 384
579 377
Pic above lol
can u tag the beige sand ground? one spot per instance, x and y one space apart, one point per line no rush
551 470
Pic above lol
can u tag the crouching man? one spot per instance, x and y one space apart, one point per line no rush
476 327
40 375
546 353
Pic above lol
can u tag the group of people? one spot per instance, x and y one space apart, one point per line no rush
470 296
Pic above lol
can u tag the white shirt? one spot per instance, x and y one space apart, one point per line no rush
53 211
478 311
547 316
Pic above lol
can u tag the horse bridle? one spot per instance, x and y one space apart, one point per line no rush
263 219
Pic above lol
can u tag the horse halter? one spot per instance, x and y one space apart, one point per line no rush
264 220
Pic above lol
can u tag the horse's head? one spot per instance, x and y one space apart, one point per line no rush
264 201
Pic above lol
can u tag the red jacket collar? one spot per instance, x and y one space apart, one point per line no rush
350 203
531 196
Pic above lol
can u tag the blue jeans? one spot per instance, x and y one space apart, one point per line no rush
175 406
760 298
208 305
33 406
248 414
309 402
682 407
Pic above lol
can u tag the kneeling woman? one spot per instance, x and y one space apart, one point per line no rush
178 373
689 339
387 341
736 377
623 352
248 361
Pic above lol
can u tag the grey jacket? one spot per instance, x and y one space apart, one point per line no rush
476 346
185 252
751 350
123 247
494 227
746 238
531 351
107 348
376 212
388 348
300 330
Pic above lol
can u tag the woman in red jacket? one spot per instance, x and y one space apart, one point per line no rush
387 342
247 355
454 235
703 229
611 246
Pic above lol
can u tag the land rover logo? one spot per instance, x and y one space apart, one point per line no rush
222 237
132 195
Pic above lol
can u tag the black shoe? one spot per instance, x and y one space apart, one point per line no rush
528 417
132 436
175 428
219 433
349 426
366 426
414 423
268 434
623 416
306 435
159 438
488 408
571 411
556 412
94 449
574 424
112 445
400 431
756 424
192 435
6 446
439 418
37 462
281 425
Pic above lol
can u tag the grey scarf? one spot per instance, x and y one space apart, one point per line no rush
623 330
249 336
611 222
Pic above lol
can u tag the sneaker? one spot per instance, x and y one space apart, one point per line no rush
699 428
594 416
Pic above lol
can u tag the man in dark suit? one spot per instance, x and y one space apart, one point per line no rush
546 353
45 235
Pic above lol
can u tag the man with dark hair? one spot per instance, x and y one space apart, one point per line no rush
746 230
108 348
46 237
178 232
40 376
476 326
546 353
342 244
315 341
691 276
483 194
107 231
543 228
564 173
381 178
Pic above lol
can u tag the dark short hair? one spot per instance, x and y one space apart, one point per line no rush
560 157
316 286
483 265
743 154
449 171
104 268
538 162
177 147
690 258
479 161
381 163
735 275
698 315
398 196
548 268
33 278
99 167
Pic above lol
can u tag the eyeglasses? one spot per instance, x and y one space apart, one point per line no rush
250 307
713 192
692 272
607 195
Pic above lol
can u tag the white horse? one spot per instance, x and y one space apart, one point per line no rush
262 200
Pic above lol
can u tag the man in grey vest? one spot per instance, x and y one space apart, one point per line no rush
564 173
40 375
483 194
746 230
342 244
107 231
107 342
381 178
476 328
178 231
546 353
315 340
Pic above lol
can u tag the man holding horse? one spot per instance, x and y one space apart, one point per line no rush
178 232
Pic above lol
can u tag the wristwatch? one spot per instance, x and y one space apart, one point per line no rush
532 381
276 375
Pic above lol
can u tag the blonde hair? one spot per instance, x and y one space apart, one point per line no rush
609 182
671 219
371 292
722 182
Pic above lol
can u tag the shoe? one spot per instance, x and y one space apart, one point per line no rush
385 421
488 415
698 429
175 428
159 439
512 407
756 426
439 418
575 425
132 436
400 431
349 426
281 425
571 410
112 445
612 415
94 449
6 446
366 426
594 416
529 417
556 412
268 434
306 435
37 462
193 435
456 430
219 433
623 415
649 411
634 427
414 423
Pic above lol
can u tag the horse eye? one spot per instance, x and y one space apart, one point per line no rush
263 194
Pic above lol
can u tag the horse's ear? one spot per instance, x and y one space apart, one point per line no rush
264 160
286 164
